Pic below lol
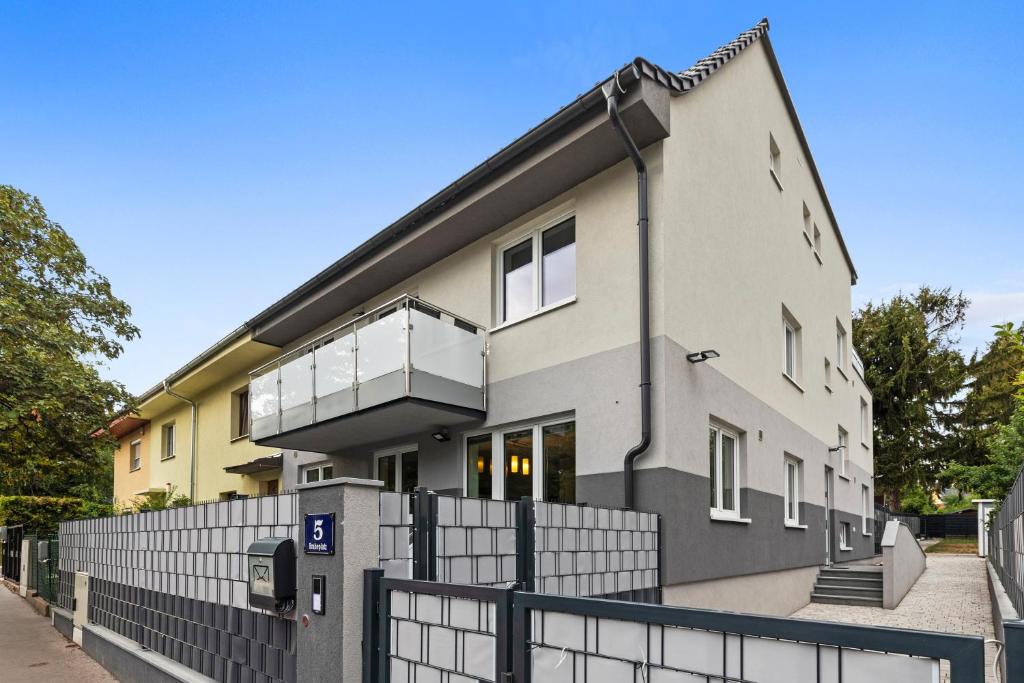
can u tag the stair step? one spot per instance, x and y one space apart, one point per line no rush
826 589
830 599
850 581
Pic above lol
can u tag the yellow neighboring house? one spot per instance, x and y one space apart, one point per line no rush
156 449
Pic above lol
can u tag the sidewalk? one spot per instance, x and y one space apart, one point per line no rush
951 596
32 651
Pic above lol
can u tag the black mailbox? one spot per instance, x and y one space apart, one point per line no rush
272 574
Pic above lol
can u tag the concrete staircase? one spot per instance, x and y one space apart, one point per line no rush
849 585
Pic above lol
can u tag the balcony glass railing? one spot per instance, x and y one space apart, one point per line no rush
405 348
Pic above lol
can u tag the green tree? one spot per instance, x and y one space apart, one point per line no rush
916 373
1004 458
59 321
993 382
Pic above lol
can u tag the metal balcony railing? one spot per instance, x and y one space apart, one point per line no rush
404 348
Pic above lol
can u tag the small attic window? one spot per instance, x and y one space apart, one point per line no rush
776 160
807 225
817 242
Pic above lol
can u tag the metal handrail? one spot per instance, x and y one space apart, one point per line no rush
359 318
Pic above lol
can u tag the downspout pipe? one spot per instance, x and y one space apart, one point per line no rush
195 415
612 91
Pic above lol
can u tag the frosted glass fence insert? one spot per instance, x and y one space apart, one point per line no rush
406 348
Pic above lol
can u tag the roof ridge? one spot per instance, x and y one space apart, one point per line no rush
705 66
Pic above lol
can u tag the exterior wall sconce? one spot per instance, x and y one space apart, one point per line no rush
441 435
701 356
836 449
514 464
526 467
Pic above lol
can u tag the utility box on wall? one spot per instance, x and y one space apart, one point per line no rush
272 574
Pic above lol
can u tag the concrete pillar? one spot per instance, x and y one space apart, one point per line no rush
985 506
329 645
80 613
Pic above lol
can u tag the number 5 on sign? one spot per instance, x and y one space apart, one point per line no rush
319 536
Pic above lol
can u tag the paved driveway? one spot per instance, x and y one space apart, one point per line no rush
951 596
31 651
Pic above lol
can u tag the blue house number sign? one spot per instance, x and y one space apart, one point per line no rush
319 538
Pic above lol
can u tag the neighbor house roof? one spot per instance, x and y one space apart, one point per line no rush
678 83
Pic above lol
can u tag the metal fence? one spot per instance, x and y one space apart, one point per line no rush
11 553
883 515
46 556
420 630
1006 543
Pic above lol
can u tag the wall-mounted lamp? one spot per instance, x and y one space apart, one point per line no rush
701 356
526 467
514 464
836 449
441 435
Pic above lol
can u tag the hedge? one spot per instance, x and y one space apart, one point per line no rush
42 514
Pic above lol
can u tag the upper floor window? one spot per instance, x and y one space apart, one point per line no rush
724 458
808 223
167 440
865 423
537 271
841 347
817 241
240 413
791 346
135 454
775 167
315 473
844 453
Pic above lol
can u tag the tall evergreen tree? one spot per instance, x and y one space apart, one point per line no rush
991 388
916 375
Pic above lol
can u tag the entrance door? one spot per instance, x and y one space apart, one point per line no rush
828 516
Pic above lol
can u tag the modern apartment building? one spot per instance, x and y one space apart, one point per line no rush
643 301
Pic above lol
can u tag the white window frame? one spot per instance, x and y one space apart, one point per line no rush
718 511
396 451
865 505
316 466
534 235
498 454
789 353
775 160
844 452
842 347
132 467
788 462
845 530
165 452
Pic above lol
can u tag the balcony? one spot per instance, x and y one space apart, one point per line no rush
403 368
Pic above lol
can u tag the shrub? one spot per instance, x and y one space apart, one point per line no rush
42 514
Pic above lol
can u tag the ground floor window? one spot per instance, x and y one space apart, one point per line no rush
792 490
398 468
724 462
865 510
319 472
535 460
844 536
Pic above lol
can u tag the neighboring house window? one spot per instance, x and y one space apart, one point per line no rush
315 473
240 413
844 452
398 468
776 160
135 454
167 440
538 271
271 487
865 423
537 460
791 346
792 490
865 510
840 346
724 459
844 536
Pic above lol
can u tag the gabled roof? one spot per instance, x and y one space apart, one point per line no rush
678 83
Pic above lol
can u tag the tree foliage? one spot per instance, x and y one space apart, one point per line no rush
916 374
59 321
992 385
1004 459
42 514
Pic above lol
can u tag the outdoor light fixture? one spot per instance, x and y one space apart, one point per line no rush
480 464
441 435
701 356
836 449
514 464
526 467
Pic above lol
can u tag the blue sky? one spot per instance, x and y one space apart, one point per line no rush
208 157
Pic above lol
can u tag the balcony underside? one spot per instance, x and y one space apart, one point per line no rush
407 415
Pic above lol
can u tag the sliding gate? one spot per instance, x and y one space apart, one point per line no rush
426 631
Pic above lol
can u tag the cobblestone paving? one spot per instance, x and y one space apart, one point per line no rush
951 596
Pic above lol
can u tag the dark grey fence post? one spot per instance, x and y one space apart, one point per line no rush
526 529
424 547
371 625
1013 637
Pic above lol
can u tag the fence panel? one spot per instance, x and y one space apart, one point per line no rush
1006 544
476 541
47 573
396 529
12 553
